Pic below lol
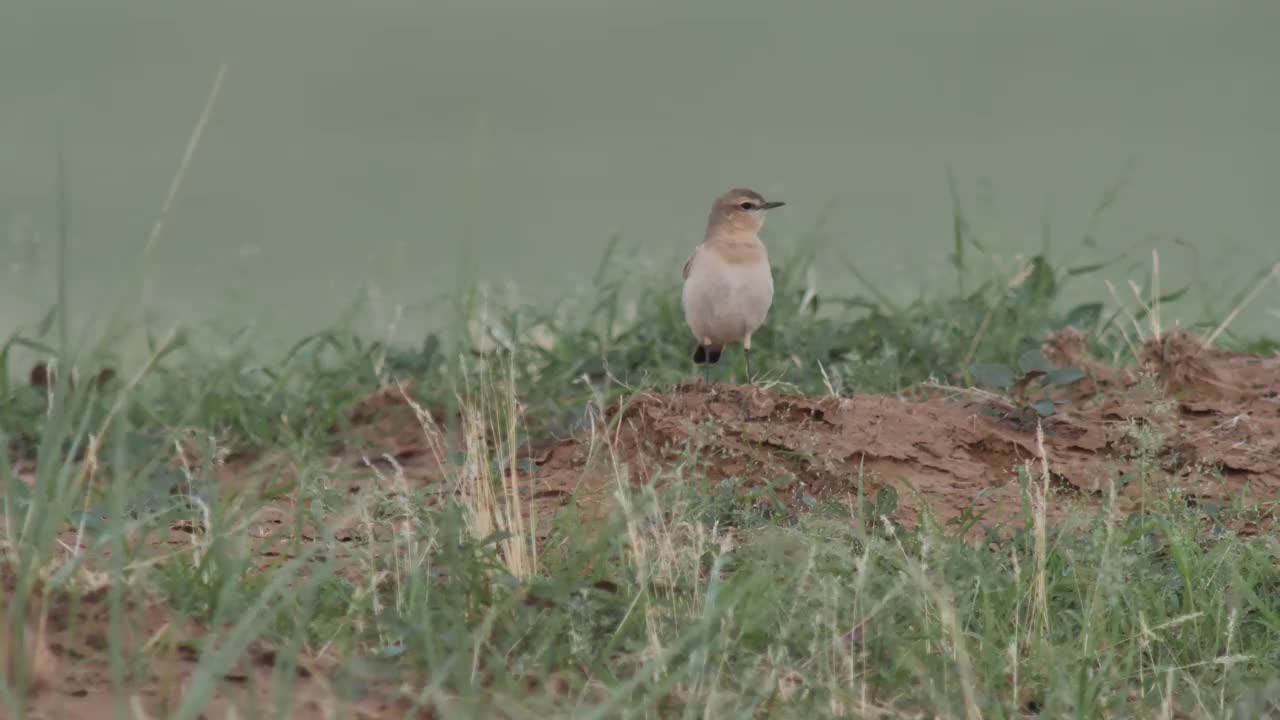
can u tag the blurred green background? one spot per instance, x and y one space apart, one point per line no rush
418 146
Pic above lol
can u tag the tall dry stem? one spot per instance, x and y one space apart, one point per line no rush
1040 509
494 502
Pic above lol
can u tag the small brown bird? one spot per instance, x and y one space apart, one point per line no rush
728 286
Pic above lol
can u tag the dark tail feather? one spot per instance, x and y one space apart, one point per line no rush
706 356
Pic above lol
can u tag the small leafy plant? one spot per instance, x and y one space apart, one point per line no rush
1027 386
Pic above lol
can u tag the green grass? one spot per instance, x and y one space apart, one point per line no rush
686 601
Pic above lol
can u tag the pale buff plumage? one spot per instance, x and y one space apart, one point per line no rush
728 286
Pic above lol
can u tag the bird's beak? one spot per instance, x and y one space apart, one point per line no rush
772 205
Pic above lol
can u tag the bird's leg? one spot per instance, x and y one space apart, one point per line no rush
746 355
705 357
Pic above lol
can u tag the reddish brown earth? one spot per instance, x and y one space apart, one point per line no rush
943 450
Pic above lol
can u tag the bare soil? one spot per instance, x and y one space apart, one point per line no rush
1202 422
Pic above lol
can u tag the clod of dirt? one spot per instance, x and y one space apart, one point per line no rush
1188 368
1069 347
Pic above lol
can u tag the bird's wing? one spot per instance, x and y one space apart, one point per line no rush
688 264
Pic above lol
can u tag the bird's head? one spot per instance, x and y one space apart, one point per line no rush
740 209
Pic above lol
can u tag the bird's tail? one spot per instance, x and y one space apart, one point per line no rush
706 355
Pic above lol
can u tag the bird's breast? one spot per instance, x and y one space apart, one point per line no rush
724 299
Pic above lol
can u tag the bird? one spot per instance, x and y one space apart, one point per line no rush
728 284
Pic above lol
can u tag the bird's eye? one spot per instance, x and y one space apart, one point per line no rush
747 206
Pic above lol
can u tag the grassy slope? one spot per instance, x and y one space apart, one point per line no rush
689 601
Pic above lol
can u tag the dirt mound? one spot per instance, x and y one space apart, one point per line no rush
1204 422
